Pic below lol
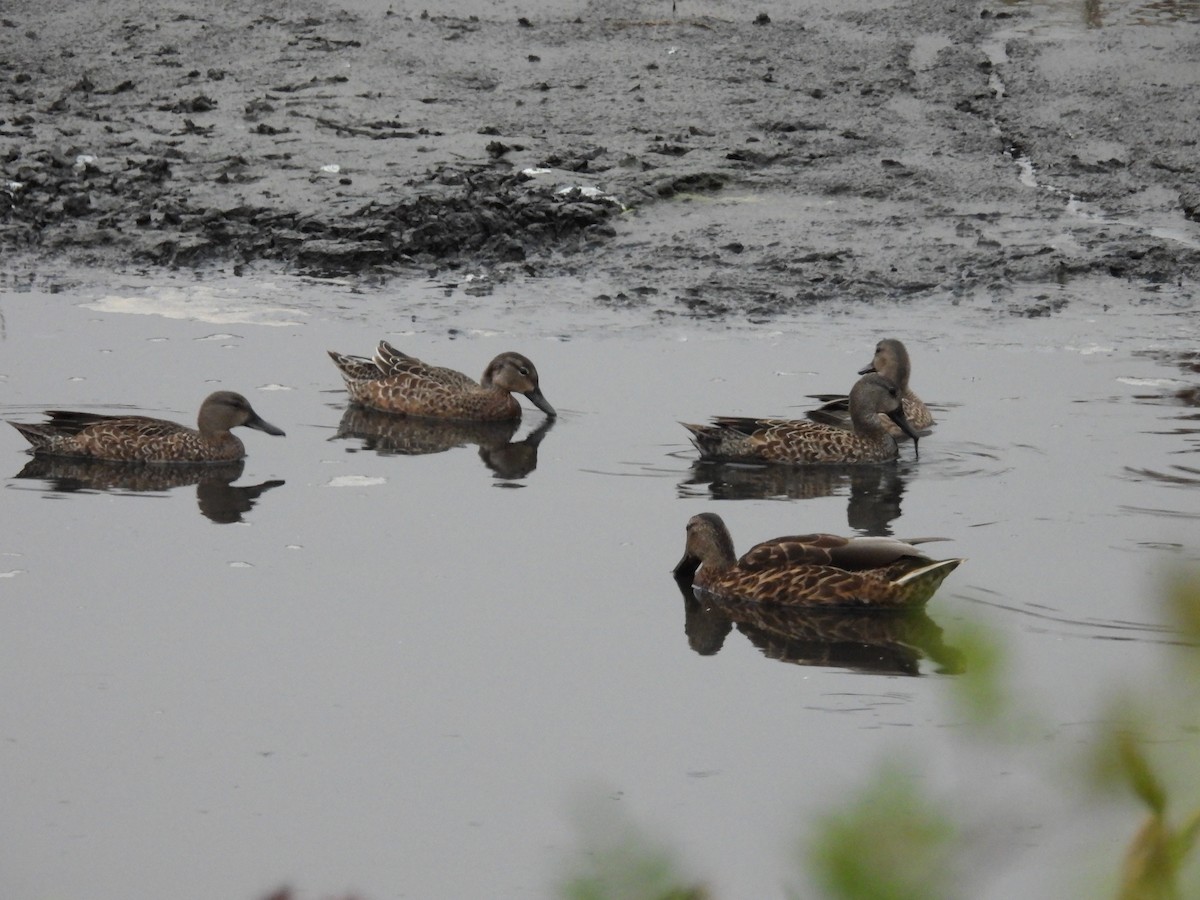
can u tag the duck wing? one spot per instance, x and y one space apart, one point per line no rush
393 362
791 551
66 422
857 554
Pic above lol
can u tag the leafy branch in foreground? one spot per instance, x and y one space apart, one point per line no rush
1155 861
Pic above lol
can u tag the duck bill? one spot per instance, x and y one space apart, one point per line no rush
867 369
897 416
262 424
536 398
686 567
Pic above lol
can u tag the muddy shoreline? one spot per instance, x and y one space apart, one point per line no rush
721 158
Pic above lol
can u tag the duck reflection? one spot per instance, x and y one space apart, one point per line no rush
875 491
389 434
218 498
880 642
1178 394
1183 398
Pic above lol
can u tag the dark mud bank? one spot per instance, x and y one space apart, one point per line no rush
723 159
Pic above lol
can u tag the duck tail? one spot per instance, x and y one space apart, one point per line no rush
710 440
39 436
353 367
916 587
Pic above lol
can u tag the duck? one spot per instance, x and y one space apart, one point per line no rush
395 382
892 362
811 570
141 439
805 442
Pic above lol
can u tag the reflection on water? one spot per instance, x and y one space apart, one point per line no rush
238 705
218 499
875 491
1156 12
1172 393
883 642
388 434
1055 622
1096 14
1180 476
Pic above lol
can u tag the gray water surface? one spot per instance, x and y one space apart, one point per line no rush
404 675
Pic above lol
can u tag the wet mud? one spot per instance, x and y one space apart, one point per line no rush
715 158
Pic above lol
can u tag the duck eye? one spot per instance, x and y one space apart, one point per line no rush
522 370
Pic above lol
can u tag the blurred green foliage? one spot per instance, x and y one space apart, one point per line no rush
978 693
890 843
624 863
1149 748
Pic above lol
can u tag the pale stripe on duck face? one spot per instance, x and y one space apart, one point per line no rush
816 570
398 383
804 442
144 439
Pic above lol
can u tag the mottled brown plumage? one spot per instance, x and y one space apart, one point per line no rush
819 570
145 440
892 362
804 442
395 382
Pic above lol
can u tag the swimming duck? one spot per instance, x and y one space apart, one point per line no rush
143 439
892 362
395 382
804 442
819 570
